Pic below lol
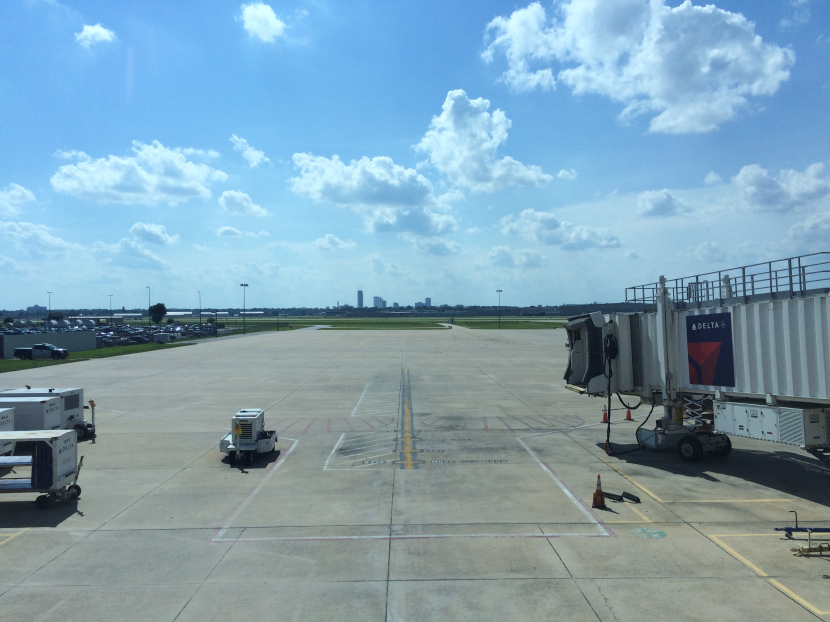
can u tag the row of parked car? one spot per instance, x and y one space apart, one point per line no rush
125 334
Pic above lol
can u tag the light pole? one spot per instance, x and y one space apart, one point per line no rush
244 287
200 310
148 305
499 291
110 295
49 317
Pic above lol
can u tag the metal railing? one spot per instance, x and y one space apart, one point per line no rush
772 280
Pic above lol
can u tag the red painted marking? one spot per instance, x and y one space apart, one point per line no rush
540 420
485 424
348 424
328 429
364 422
523 423
382 422
505 423
293 424
309 425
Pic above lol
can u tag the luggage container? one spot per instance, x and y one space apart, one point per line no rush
6 425
34 413
72 405
53 466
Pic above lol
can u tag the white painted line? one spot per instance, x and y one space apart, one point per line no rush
340 440
413 537
577 502
361 398
256 490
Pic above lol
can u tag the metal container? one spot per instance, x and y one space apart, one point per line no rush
34 413
72 401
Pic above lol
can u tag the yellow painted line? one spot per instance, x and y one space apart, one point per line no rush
738 556
10 537
637 484
798 598
659 500
408 438
778 585
734 501
640 514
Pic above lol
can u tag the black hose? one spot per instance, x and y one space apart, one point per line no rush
610 351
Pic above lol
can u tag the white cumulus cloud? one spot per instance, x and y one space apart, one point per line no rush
237 202
503 256
462 142
233 232
659 203
433 245
90 35
12 197
261 22
331 242
154 174
545 228
154 234
35 240
567 174
130 254
789 189
254 157
693 67
389 197
810 235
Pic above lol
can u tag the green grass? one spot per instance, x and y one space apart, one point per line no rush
511 322
17 365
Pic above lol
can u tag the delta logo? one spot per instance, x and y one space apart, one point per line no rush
709 348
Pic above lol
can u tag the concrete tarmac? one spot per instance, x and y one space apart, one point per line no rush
421 475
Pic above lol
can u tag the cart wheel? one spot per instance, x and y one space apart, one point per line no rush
42 502
249 457
724 449
74 491
80 431
231 458
690 449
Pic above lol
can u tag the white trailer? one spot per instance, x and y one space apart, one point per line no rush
749 347
248 436
34 413
6 425
53 466
72 406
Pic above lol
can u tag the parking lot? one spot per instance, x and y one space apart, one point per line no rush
421 475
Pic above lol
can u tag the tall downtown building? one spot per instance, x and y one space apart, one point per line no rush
360 299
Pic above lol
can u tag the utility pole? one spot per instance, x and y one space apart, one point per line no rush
244 287
499 291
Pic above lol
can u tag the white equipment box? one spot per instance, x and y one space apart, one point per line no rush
34 413
6 425
72 405
795 426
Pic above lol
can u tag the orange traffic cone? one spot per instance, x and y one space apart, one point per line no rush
604 414
628 415
599 496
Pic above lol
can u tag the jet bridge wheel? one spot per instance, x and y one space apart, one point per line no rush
723 450
690 449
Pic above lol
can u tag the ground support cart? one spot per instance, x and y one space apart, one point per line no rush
53 466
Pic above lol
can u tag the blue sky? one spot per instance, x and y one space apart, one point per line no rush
559 151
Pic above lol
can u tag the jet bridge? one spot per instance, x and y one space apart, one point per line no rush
749 347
